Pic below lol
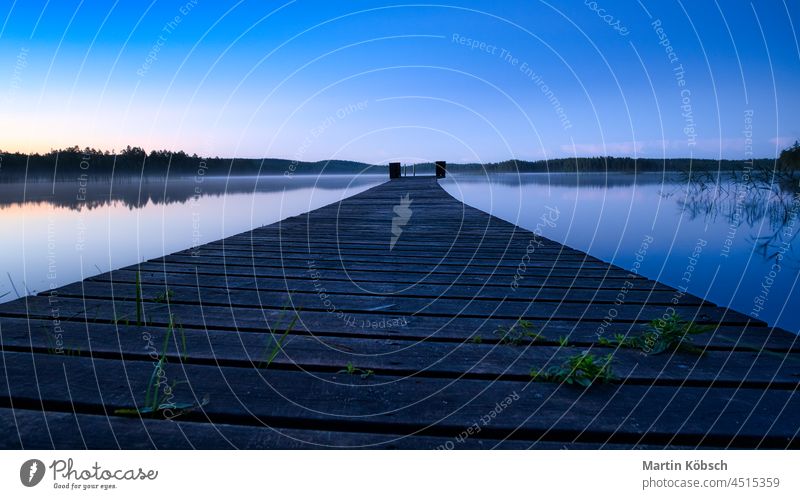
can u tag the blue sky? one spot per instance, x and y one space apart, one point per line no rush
379 81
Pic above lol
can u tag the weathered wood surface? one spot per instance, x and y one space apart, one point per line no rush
422 315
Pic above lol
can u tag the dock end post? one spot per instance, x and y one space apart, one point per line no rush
394 170
441 169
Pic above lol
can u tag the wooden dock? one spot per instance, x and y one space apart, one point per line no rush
397 299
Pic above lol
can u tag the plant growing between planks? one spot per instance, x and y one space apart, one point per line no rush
159 394
56 346
352 370
164 296
171 328
519 333
663 335
275 343
618 340
140 317
581 369
139 306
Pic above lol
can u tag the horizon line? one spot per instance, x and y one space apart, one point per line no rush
264 158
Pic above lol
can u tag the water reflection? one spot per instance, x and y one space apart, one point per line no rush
58 233
134 192
771 198
745 226
587 180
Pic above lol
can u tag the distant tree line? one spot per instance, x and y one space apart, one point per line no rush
75 162
790 157
610 163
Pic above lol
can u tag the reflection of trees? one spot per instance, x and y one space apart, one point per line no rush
558 179
75 163
758 197
134 193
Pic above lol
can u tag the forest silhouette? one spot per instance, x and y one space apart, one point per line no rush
80 163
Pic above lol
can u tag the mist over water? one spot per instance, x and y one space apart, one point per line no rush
728 242
55 233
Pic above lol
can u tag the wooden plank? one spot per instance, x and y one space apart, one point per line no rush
489 361
221 312
430 329
412 268
403 243
29 429
305 243
336 402
637 293
52 430
370 256
444 262
397 305
528 279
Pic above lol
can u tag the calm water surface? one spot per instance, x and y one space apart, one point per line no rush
730 243
57 233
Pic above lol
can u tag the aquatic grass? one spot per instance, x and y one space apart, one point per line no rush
10 280
581 369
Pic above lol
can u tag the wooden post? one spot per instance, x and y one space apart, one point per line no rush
394 170
441 169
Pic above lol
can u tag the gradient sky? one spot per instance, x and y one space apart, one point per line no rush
378 81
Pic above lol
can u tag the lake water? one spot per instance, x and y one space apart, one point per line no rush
57 233
732 247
